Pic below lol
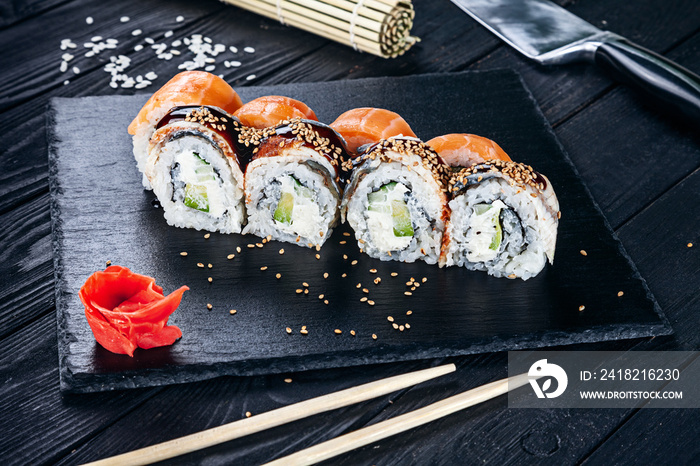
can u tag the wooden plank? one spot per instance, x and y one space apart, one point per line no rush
32 405
16 11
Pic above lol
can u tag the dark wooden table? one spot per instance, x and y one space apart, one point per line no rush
640 165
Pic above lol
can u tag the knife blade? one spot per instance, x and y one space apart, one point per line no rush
549 34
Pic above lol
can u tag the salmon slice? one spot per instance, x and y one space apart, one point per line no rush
366 125
269 110
465 150
188 88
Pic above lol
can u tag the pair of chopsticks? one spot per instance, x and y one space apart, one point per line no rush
339 445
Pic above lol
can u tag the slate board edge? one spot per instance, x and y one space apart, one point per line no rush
668 329
90 382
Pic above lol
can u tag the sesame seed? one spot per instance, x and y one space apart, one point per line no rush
325 275
345 256
409 283
343 242
359 285
370 302
263 268
374 336
260 245
620 293
424 279
345 233
278 276
581 307
230 256
206 236
390 319
318 256
583 252
338 331
303 331
512 275
407 293
372 270
365 290
352 332
209 279
690 245
394 274
377 281
238 249
281 251
408 313
250 246
344 275
232 311
353 262
407 326
183 253
299 291
401 327
289 330
363 299
287 380
320 296
209 306
395 325
248 414
209 266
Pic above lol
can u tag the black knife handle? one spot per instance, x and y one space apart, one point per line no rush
671 85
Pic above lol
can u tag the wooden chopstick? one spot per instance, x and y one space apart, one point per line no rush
402 423
274 418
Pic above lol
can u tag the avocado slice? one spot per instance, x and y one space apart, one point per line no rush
285 206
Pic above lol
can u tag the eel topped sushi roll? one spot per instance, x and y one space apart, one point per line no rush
195 170
293 182
186 88
504 220
396 200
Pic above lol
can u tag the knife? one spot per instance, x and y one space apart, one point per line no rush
549 34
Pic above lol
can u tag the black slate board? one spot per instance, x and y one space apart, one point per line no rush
100 212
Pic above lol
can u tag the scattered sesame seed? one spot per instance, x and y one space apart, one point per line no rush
394 274
263 268
583 252
353 262
303 331
238 249
320 296
230 256
690 245
372 270
395 325
232 311
209 266
581 307
287 380
345 256
209 279
374 336
343 242
424 279
89 20
325 301
278 276
407 293
108 263
365 290
207 236
183 253
344 275
306 291
352 332
209 306
370 302
249 50
250 246
281 251
200 265
390 319
345 233
318 256
408 326
409 283
512 275
260 245
620 293
359 285
248 414
413 288
299 291
401 327
363 299
124 19
289 330
325 275
408 313
338 331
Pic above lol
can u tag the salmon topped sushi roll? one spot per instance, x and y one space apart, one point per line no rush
186 88
465 150
270 110
367 125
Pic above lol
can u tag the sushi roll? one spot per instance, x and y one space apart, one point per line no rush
367 125
195 170
270 110
396 200
504 218
186 88
292 183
